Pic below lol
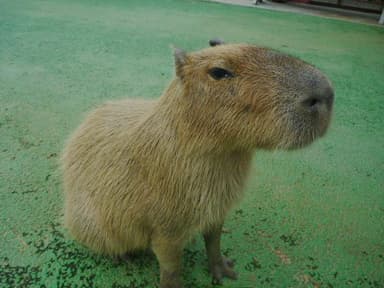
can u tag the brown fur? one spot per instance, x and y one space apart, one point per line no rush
151 174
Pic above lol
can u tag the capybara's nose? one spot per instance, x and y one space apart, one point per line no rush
319 98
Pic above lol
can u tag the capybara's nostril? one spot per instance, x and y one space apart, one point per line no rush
313 102
319 98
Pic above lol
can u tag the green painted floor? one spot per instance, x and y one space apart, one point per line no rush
310 218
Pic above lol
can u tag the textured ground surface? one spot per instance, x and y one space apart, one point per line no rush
310 218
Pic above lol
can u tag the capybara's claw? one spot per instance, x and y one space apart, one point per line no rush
223 270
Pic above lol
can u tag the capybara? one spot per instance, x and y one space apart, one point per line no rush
142 174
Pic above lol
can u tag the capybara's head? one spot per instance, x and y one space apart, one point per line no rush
253 97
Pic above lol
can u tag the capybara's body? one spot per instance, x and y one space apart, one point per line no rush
151 174
121 149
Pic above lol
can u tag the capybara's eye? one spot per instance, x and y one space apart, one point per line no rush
219 73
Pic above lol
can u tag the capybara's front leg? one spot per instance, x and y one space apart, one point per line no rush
169 254
219 265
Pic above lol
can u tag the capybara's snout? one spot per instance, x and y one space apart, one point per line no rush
312 106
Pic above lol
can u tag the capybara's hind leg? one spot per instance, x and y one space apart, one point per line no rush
83 227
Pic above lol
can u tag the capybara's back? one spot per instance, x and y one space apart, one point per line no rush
88 161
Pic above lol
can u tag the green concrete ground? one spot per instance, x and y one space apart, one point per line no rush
310 218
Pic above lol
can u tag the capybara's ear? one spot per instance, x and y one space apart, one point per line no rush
216 42
180 60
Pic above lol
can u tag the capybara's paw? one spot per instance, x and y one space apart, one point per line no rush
223 270
171 280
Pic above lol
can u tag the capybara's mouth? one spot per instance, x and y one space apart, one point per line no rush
308 131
